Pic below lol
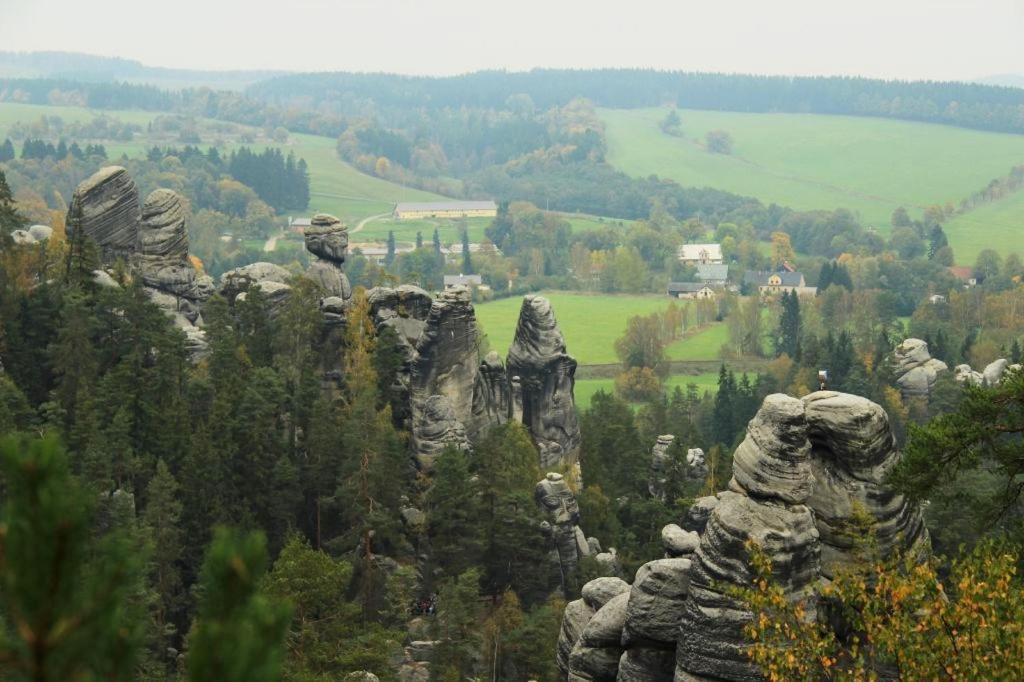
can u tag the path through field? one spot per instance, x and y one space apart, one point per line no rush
272 242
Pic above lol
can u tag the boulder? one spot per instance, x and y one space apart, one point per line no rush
697 466
596 655
647 664
575 617
105 208
678 542
964 374
697 515
915 369
40 233
993 372
772 461
655 602
327 238
543 380
240 279
599 591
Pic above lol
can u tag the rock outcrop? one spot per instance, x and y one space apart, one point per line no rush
568 543
596 654
105 208
545 373
992 375
800 476
445 364
852 450
327 239
578 614
916 370
163 252
657 474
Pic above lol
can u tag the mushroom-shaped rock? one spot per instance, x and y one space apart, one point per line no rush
678 542
852 451
105 208
543 379
327 238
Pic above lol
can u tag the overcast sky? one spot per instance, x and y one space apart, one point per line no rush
941 39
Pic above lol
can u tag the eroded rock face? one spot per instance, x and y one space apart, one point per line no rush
491 396
434 428
660 462
163 233
545 374
772 479
575 617
596 654
558 503
992 375
327 239
445 364
105 208
852 451
916 370
240 279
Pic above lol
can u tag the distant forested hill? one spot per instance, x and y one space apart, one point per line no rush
93 68
970 105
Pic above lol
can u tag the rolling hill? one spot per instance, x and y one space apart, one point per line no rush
809 161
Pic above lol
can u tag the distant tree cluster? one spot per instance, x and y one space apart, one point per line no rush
41 149
280 181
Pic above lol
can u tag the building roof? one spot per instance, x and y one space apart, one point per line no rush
716 272
300 222
446 206
700 252
962 272
685 287
760 278
452 280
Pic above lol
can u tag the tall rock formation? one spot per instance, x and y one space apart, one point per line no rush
443 374
992 375
568 543
852 450
105 208
539 363
327 239
657 474
916 370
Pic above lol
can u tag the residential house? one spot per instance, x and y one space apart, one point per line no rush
773 283
714 275
690 290
471 281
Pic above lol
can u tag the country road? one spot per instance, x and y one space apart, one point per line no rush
271 243
363 222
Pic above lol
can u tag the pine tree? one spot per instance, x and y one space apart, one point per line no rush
457 628
239 633
722 419
788 334
825 276
419 239
10 219
1015 352
437 242
66 599
467 259
161 520
454 514
7 152
389 258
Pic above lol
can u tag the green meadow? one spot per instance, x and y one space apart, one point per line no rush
591 323
809 161
586 388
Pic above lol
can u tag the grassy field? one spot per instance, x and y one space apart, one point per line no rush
586 388
810 161
591 323
998 225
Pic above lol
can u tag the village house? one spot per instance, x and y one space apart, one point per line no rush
964 274
690 290
298 225
445 209
774 283
700 254
376 253
714 275
471 281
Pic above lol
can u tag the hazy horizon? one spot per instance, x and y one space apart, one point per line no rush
912 39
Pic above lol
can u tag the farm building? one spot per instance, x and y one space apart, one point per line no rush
715 275
470 281
771 283
445 209
690 290
700 254
298 225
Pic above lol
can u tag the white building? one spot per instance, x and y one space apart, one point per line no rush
700 254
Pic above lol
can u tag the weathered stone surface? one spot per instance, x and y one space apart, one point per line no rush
445 365
105 208
40 232
406 301
660 463
711 640
852 451
655 602
678 542
916 371
697 464
575 617
330 278
361 676
772 461
596 654
422 650
600 591
546 376
993 372
434 428
772 477
964 374
491 396
240 279
558 502
697 515
163 233
647 664
327 238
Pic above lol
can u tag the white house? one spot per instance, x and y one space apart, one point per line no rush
700 254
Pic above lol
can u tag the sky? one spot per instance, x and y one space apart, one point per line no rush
910 39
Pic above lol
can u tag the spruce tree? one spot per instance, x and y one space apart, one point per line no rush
161 520
437 242
454 514
7 152
467 259
389 258
10 219
722 419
